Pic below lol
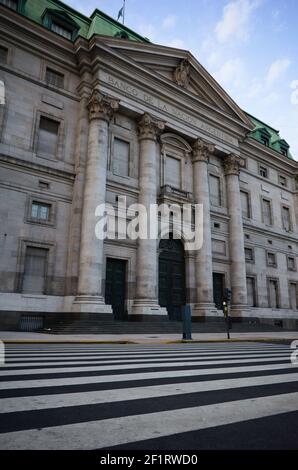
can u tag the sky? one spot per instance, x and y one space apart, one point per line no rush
249 46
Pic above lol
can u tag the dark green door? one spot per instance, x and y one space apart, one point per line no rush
115 286
172 277
218 289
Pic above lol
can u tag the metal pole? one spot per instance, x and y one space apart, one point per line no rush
123 10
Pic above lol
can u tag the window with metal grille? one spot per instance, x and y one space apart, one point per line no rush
35 270
271 259
47 136
263 171
121 157
40 211
266 211
3 55
13 4
251 291
214 187
245 204
173 172
54 78
291 263
61 30
283 181
286 218
273 293
249 254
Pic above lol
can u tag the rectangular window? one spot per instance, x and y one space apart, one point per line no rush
273 293
3 55
13 4
245 204
266 211
251 291
214 185
61 30
121 157
293 295
282 181
265 140
40 211
291 263
271 259
286 219
35 270
173 172
263 171
249 255
54 78
47 136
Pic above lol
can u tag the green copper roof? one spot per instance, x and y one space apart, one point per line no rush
275 140
98 23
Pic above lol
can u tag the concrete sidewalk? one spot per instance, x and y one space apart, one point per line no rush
22 337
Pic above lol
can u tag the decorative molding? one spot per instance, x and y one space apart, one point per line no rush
101 107
232 164
201 151
181 73
150 128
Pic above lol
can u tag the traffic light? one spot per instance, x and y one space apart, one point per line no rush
228 294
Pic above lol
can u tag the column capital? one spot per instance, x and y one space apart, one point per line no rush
201 151
150 128
101 106
232 164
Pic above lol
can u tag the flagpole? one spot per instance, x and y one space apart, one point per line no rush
123 10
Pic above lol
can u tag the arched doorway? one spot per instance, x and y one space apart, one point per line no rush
172 277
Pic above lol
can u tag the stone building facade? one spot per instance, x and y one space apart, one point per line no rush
92 113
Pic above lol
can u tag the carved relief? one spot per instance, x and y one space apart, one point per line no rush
232 164
150 128
101 107
201 150
181 73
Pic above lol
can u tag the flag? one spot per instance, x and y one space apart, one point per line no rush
120 14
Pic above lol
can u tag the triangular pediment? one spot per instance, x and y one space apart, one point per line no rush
183 71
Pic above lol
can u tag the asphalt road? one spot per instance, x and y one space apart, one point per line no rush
149 397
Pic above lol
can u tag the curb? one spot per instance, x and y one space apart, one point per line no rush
134 342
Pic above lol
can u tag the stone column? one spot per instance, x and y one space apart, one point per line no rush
146 297
203 257
90 294
232 164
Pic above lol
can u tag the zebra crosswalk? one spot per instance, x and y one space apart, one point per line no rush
178 396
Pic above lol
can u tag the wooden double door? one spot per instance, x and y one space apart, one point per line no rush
172 293
115 287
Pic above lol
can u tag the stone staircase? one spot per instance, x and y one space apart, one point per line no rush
93 326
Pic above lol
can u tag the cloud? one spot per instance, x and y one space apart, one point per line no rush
236 20
177 43
231 72
169 22
276 70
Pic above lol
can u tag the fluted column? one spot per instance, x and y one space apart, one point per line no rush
146 296
203 257
232 164
90 294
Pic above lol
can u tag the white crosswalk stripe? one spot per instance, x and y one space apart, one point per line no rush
97 396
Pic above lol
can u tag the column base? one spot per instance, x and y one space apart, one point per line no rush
91 304
147 307
238 311
204 309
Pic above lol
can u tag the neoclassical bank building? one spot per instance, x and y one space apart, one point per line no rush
93 113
